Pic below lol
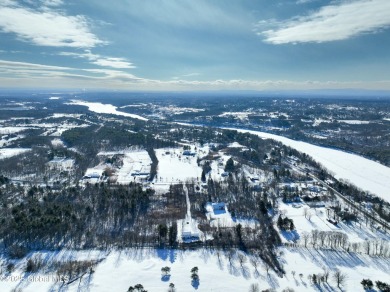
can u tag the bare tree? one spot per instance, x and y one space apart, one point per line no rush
305 238
293 273
230 255
367 247
339 278
242 258
326 275
266 267
254 262
305 211
254 288
322 237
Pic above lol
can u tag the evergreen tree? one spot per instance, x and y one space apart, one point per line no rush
229 167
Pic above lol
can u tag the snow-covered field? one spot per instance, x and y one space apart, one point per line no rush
135 165
12 130
61 163
238 115
5 140
134 162
174 110
221 217
56 142
100 108
362 172
120 270
9 152
174 167
57 130
317 220
60 115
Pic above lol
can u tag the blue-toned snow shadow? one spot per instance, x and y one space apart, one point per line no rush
291 235
195 284
165 278
166 254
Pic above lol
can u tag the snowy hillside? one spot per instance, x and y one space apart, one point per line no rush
364 173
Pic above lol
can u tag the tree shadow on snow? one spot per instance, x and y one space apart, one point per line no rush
84 284
245 272
272 281
165 254
205 255
291 235
165 278
233 270
220 263
256 274
195 284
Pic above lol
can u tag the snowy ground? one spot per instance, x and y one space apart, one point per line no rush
56 130
119 270
9 152
364 173
134 162
56 142
238 115
173 167
223 218
5 141
356 232
12 130
61 164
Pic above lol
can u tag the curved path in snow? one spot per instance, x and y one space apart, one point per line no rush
364 173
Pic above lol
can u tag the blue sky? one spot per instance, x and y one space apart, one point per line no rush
195 45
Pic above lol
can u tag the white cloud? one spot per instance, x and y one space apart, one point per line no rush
305 1
22 74
46 27
52 2
117 63
34 71
333 22
24 65
186 75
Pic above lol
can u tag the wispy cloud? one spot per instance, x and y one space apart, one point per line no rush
25 65
103 61
186 75
52 2
339 21
33 71
46 27
38 75
305 1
